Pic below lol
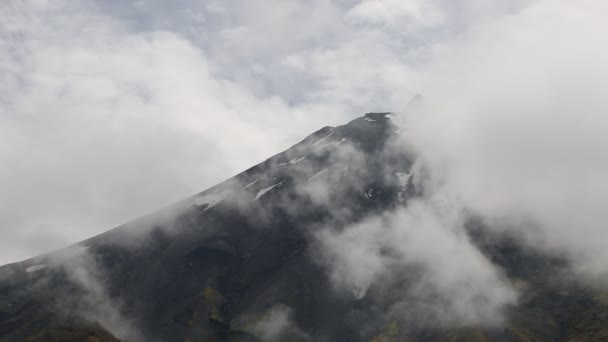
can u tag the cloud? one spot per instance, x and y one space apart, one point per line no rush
395 13
514 126
101 124
110 110
424 246
72 287
94 303
276 324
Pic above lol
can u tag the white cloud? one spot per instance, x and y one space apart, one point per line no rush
515 126
103 124
277 324
456 284
397 13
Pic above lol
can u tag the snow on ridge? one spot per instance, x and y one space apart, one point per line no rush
262 192
332 143
35 268
369 119
317 175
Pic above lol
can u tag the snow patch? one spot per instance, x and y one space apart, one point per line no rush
403 178
391 117
35 268
369 193
332 143
359 292
369 119
323 139
262 192
250 184
317 175
400 197
293 161
210 200
296 160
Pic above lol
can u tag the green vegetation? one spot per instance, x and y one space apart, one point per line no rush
388 334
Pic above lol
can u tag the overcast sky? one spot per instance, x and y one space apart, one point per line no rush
110 109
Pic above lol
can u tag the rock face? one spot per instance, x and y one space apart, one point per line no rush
238 262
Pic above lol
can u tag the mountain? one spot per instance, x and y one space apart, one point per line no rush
241 262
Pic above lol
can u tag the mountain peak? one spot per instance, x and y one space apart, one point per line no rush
245 255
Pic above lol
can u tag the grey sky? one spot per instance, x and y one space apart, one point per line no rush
109 109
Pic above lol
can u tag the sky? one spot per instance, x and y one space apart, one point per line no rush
112 109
